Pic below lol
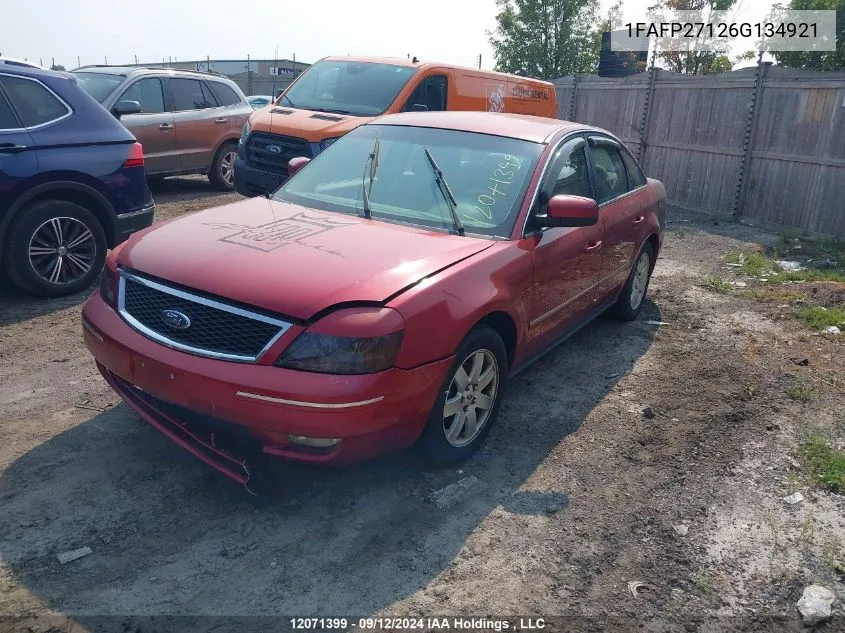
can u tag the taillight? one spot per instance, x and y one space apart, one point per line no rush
136 156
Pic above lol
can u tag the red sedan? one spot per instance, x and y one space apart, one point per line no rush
381 297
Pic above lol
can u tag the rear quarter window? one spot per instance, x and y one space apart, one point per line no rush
225 95
8 121
34 103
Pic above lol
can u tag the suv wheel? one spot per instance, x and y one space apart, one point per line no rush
222 172
54 248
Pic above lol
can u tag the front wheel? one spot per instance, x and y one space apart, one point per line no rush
469 399
222 172
627 307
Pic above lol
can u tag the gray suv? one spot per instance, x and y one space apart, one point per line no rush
188 122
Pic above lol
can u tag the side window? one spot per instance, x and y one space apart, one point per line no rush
188 95
209 97
34 103
225 95
573 177
611 177
636 178
431 93
8 120
148 93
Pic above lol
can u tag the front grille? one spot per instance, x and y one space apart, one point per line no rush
257 153
213 328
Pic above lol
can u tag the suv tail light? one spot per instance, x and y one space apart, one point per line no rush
136 156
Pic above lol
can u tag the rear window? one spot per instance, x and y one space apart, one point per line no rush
34 104
99 85
225 95
7 117
189 95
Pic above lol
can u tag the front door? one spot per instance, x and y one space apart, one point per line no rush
567 261
200 124
153 127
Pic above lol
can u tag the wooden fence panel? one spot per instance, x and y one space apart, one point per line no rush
695 143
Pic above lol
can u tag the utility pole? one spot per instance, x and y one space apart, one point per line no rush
479 61
78 61
106 59
136 60
54 62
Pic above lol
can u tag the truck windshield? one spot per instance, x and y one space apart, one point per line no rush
99 85
488 176
348 87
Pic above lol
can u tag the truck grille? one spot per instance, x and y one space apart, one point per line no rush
259 152
195 324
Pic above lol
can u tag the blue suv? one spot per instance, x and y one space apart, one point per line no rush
71 182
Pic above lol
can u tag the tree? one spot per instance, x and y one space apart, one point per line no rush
57 67
818 60
691 61
547 38
722 64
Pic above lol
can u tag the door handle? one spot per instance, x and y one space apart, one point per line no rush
639 219
11 148
593 245
165 126
220 119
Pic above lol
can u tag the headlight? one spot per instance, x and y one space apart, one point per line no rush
327 141
244 133
107 286
327 354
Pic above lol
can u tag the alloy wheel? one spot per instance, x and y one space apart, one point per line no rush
227 167
639 283
62 250
471 396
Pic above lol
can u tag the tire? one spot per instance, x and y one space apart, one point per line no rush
73 234
436 445
221 175
633 294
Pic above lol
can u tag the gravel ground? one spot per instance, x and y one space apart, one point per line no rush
576 494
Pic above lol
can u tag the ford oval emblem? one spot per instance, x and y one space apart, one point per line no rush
175 319
273 149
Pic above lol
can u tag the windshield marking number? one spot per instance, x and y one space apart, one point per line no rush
488 200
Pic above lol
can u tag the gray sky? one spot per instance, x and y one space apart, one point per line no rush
439 30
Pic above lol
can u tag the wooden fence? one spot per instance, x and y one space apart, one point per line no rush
766 144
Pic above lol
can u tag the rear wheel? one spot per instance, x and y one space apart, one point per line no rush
469 399
631 299
222 172
54 248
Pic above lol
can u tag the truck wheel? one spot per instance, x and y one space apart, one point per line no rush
54 248
469 399
222 172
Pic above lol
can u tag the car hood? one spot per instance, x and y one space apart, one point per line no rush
291 259
314 126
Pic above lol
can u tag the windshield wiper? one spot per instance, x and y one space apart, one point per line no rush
370 167
288 100
446 191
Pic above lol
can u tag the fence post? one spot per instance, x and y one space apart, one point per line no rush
645 122
748 141
572 100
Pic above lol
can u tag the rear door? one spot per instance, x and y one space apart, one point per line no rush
154 126
200 125
17 153
621 201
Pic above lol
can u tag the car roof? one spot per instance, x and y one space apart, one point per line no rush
401 61
520 126
146 70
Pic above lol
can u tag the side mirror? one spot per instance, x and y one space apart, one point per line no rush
126 107
295 164
570 211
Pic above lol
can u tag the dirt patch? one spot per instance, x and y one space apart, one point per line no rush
580 491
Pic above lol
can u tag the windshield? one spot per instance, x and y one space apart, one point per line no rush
99 85
488 176
348 87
